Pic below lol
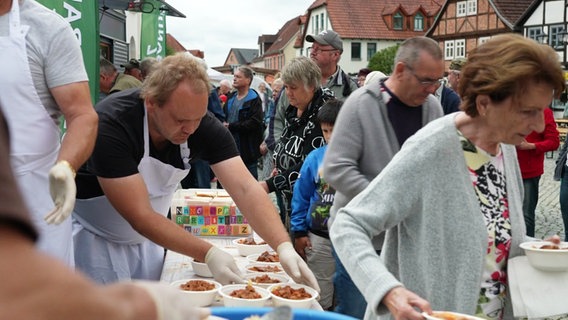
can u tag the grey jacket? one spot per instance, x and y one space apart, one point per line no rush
363 143
436 237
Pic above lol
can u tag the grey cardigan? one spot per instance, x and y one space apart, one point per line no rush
436 238
363 143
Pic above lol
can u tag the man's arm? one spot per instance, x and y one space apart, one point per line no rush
253 201
74 100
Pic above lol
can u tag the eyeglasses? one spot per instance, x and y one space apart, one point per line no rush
319 50
425 82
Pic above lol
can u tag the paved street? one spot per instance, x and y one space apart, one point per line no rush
548 216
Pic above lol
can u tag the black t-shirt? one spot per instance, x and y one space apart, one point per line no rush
405 120
120 143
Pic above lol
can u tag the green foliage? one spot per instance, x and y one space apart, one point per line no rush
384 60
169 51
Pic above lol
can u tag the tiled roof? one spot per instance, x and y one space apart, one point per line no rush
172 42
366 19
284 35
511 10
245 56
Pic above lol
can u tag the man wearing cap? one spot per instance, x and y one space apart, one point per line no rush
454 75
132 68
111 80
325 52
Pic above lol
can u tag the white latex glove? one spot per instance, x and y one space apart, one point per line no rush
171 304
295 266
223 267
63 190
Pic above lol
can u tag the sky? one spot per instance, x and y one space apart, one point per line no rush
216 26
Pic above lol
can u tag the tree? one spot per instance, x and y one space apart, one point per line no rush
384 60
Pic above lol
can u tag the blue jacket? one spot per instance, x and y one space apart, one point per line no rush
312 198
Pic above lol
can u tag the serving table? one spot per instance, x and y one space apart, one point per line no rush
178 266
537 294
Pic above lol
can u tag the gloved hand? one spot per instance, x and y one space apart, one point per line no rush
63 190
223 267
295 266
171 304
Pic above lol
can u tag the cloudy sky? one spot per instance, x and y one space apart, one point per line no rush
216 26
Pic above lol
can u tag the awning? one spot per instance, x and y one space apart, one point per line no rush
140 6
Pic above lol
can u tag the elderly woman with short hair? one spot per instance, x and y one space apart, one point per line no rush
450 201
301 132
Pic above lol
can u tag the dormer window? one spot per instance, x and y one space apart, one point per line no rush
397 21
418 22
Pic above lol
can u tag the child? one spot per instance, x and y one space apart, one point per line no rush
311 202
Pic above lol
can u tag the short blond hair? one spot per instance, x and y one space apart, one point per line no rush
169 73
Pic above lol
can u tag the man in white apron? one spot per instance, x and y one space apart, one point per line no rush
145 140
41 77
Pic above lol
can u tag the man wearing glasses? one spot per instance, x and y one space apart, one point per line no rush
370 129
325 52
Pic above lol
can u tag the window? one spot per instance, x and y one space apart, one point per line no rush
397 21
535 33
556 36
418 22
356 51
461 8
321 23
459 48
371 50
471 7
449 49
317 25
482 40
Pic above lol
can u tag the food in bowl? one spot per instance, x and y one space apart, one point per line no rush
264 268
294 295
268 257
288 292
197 285
249 246
265 280
247 292
244 295
546 256
250 241
200 293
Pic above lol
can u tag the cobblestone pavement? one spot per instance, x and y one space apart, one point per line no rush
548 216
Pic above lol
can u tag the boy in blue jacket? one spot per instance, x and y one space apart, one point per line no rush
311 201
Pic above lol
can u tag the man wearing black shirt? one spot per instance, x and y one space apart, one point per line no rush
146 141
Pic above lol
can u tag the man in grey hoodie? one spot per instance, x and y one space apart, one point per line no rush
370 129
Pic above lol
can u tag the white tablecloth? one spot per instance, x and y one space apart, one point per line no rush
178 266
537 294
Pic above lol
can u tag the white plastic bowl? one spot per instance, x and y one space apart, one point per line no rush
253 258
199 298
282 278
201 269
229 301
258 267
298 304
248 249
546 259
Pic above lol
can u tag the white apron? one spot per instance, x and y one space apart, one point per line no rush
107 248
34 138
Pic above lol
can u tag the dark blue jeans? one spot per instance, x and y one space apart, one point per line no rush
564 201
348 299
199 176
529 203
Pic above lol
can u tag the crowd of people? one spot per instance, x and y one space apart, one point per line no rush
434 183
